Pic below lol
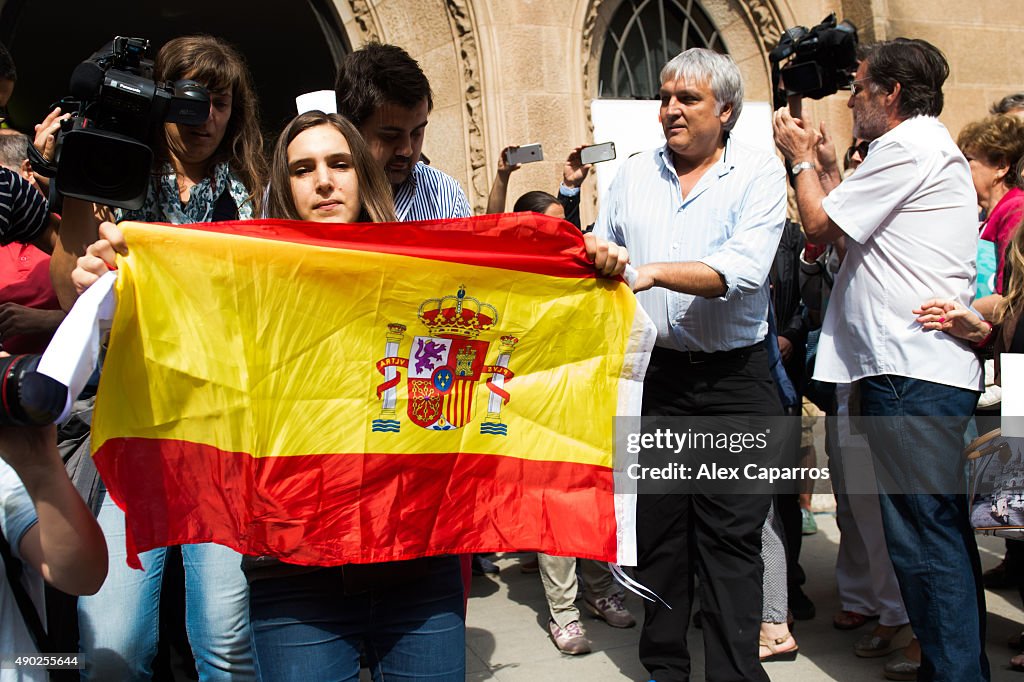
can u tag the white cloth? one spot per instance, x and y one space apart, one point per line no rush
731 221
910 211
17 515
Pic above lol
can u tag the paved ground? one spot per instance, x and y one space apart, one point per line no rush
506 639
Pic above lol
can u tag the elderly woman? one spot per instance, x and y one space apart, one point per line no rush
994 146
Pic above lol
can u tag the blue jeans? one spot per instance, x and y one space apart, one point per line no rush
929 534
306 627
119 625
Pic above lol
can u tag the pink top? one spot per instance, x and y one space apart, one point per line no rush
1000 226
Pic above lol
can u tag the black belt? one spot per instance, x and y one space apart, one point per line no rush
696 357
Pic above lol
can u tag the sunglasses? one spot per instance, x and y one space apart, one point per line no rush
860 148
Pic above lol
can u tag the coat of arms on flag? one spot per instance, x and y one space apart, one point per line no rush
444 367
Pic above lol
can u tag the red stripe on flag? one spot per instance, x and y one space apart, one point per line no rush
526 242
356 508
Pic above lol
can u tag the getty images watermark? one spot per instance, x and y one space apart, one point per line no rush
730 455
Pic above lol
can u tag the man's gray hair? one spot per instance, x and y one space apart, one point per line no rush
702 65
13 150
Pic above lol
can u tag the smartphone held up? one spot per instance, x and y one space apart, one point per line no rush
596 153
528 153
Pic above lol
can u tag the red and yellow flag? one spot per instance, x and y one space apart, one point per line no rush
331 394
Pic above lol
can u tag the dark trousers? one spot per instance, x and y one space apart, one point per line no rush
715 538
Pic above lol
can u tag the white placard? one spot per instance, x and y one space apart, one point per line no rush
320 100
1011 373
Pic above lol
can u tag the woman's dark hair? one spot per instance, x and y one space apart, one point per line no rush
376 74
535 201
220 67
377 204
918 66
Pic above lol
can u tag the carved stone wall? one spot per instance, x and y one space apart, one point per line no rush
460 15
360 21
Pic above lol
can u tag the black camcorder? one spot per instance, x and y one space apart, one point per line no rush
28 398
103 151
821 60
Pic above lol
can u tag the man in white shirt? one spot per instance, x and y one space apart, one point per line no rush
909 213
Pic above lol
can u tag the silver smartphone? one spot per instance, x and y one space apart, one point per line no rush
596 153
528 153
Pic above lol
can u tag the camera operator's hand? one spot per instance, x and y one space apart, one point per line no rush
46 133
797 142
100 257
574 172
825 150
17 319
609 258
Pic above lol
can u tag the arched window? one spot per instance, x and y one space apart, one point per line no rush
642 36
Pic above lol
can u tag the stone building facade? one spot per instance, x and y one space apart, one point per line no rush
519 71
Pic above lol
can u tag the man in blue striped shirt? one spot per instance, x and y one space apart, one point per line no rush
701 218
383 91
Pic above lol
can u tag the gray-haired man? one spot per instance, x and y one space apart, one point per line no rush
701 218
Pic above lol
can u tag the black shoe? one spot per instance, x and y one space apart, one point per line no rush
998 578
801 606
482 566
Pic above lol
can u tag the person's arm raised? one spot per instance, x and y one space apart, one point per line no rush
79 228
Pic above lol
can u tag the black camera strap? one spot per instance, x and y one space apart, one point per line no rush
39 164
13 568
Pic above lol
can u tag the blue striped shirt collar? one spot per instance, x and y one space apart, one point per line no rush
721 168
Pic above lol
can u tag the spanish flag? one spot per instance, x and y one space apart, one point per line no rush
330 394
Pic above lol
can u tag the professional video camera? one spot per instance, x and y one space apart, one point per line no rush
102 152
28 398
822 60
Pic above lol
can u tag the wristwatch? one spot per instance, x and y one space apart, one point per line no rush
802 166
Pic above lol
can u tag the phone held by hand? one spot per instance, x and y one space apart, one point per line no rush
528 153
596 153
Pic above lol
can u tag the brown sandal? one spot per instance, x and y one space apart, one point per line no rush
850 620
774 652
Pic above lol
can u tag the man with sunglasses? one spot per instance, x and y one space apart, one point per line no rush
909 214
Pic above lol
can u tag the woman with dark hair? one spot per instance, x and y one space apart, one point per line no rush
212 171
294 181
406 617
207 172
539 202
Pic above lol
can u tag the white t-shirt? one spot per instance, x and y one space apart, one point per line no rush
910 212
17 515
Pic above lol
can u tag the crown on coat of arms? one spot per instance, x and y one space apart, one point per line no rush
457 315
